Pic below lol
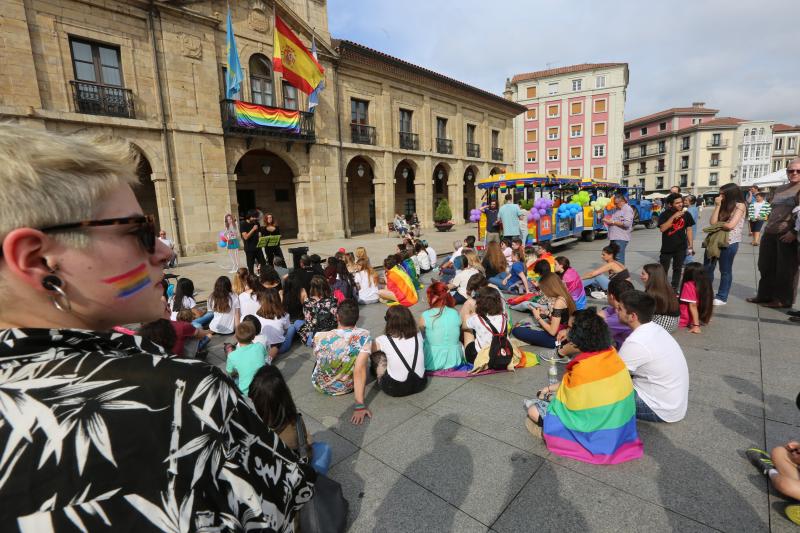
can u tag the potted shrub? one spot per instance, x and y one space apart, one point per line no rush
443 216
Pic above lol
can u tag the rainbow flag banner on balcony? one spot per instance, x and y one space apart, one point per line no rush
259 116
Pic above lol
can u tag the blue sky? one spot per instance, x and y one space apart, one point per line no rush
741 57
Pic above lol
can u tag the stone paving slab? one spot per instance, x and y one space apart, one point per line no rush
450 458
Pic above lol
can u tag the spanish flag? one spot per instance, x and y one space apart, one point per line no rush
293 59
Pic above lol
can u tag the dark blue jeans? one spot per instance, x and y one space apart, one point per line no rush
725 262
621 254
534 337
643 411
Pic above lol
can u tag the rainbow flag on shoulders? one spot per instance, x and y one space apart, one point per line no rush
254 116
411 270
401 286
593 416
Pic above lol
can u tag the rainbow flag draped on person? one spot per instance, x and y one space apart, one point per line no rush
254 115
411 270
593 416
401 286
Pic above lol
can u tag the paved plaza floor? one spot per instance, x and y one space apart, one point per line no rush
457 457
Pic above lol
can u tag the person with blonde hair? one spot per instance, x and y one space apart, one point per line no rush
471 266
367 280
69 273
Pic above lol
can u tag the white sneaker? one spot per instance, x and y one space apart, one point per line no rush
598 295
717 301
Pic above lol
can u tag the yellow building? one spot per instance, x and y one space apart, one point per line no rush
152 73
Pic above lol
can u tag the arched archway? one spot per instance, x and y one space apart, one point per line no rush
470 179
265 181
145 190
405 201
360 195
441 174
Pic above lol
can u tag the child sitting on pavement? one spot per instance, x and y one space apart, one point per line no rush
245 360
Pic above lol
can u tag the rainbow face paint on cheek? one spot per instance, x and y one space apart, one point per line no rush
130 282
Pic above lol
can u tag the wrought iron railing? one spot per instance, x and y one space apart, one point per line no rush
409 141
473 150
234 124
362 134
444 146
497 154
98 99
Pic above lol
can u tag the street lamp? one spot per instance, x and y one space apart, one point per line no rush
405 173
469 175
265 168
440 175
360 171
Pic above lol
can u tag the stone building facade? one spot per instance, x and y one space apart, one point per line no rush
785 143
152 73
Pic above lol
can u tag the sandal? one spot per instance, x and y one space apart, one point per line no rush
533 428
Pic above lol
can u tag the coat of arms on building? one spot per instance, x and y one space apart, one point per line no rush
258 19
191 46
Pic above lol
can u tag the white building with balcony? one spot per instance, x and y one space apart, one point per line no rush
754 143
785 143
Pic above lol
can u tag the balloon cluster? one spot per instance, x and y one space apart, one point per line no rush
568 210
475 215
600 204
539 209
582 198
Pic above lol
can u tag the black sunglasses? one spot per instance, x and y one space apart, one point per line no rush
145 231
793 170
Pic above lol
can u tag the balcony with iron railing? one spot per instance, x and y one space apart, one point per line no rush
473 150
444 146
255 120
717 145
497 154
638 154
363 134
714 162
98 99
409 141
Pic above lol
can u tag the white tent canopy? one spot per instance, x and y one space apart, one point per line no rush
772 180
655 196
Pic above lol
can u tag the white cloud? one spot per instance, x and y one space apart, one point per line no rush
739 57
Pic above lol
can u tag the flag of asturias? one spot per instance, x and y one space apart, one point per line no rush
233 73
313 98
293 59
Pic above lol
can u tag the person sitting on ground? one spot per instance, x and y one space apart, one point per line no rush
406 261
319 310
619 330
516 276
279 264
248 299
655 361
159 332
505 247
489 317
494 262
360 253
270 279
572 281
423 260
442 327
240 281
697 298
431 253
316 265
341 359
330 269
350 262
594 398
293 297
449 267
367 281
247 358
399 287
274 404
600 276
225 306
185 331
398 358
183 298
667 312
400 225
344 287
470 268
782 467
306 271
277 331
551 315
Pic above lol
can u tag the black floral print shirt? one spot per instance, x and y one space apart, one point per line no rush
102 431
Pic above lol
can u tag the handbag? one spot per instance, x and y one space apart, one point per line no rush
327 510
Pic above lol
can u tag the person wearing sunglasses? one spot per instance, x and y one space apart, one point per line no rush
777 259
93 415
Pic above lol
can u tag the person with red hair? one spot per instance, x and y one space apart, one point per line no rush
441 325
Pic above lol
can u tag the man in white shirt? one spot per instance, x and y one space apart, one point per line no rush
431 252
173 261
655 360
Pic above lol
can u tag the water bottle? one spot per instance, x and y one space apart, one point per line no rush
552 373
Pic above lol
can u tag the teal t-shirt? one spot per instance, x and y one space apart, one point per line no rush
509 215
245 361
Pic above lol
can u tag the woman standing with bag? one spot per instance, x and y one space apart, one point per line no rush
729 209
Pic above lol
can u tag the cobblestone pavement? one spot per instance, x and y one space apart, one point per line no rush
457 457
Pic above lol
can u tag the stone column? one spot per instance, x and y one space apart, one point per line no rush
423 192
232 179
455 191
164 202
304 196
383 181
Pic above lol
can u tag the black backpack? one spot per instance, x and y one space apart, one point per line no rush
501 353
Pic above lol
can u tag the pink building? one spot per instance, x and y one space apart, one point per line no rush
574 121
